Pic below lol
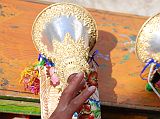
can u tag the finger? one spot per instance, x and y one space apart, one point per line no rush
81 98
74 84
68 92
71 77
79 88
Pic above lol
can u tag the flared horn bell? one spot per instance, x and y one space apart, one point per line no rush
58 19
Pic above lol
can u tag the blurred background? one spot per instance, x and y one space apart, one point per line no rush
16 20
137 7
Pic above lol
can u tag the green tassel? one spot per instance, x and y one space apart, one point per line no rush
41 63
148 87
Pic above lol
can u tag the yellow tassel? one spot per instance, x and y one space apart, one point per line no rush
28 71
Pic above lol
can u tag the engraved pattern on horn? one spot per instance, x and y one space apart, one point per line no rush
73 60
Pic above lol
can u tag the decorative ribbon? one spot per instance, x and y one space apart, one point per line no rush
95 101
92 58
96 53
150 61
43 60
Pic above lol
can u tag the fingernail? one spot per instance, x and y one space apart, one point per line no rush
80 74
92 88
71 77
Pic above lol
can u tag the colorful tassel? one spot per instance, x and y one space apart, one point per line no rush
30 75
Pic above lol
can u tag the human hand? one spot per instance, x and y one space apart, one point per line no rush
70 102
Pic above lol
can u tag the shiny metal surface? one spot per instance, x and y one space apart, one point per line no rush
55 21
59 26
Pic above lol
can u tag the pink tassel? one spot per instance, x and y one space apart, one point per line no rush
54 77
